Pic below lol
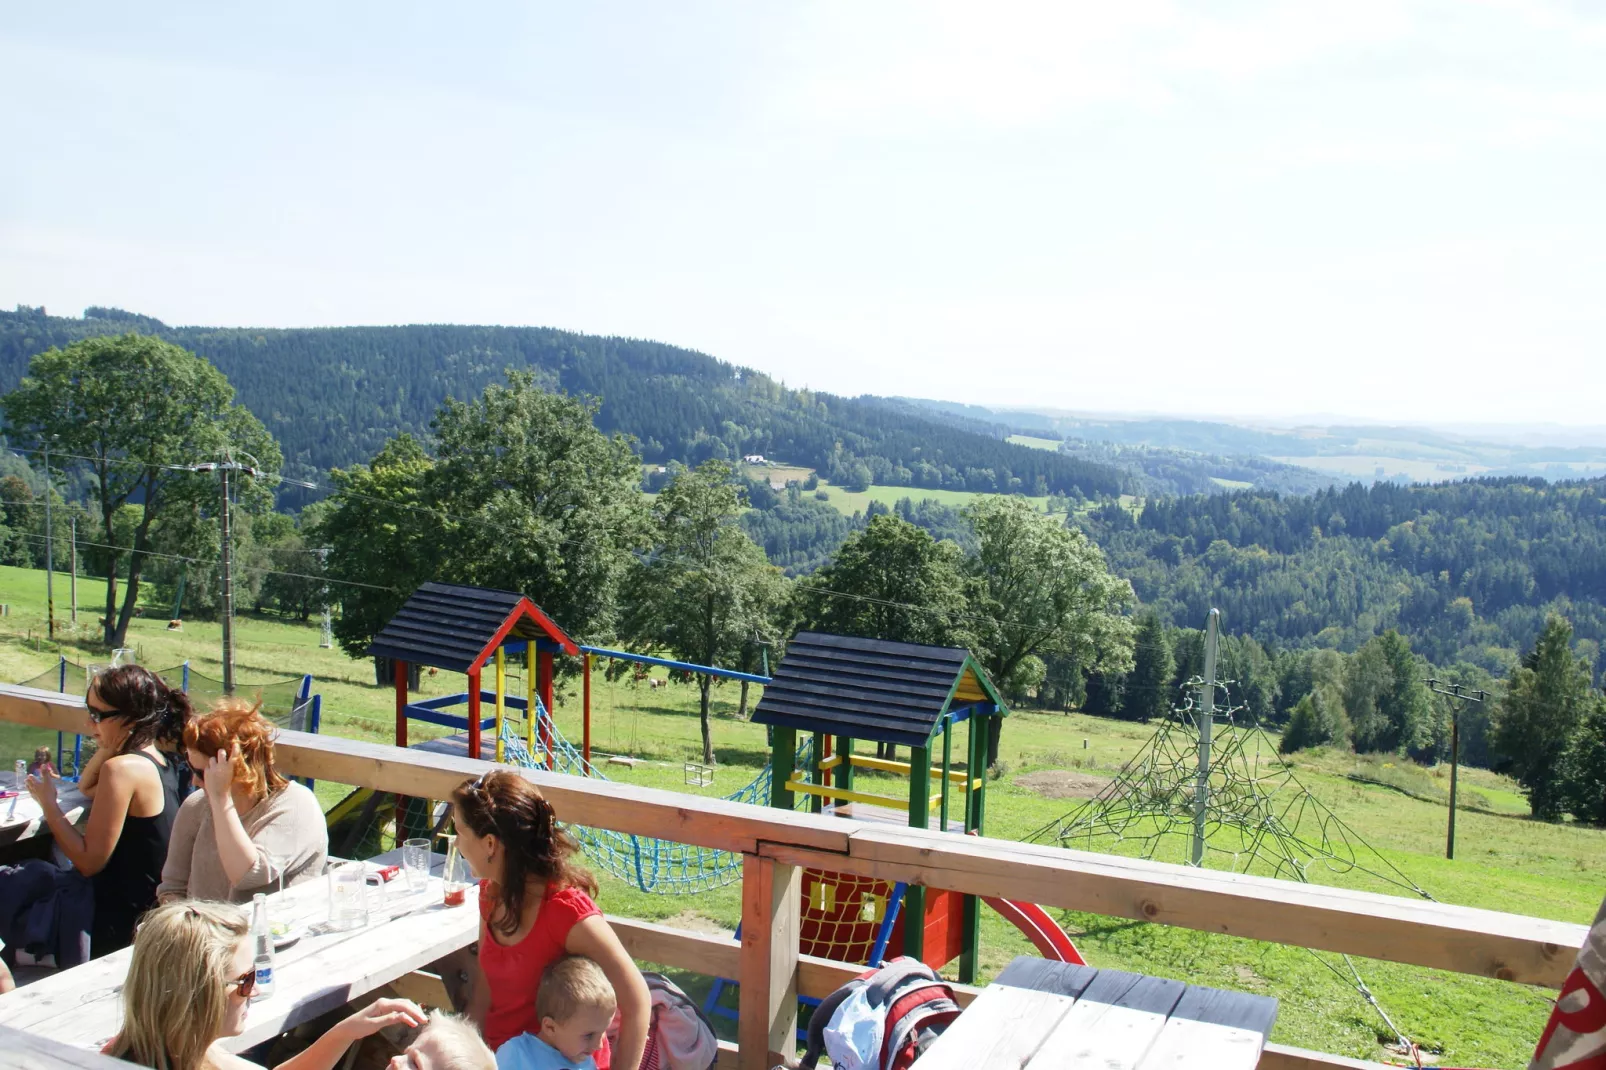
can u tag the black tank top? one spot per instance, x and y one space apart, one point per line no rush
125 888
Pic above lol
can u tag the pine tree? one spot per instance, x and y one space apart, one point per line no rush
1148 686
1546 699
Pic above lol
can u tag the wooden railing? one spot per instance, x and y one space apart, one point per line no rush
777 844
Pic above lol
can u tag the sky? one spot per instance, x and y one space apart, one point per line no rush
1369 210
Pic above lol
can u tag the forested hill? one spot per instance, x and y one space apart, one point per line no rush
1468 570
334 396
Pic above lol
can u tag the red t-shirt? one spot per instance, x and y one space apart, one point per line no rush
513 972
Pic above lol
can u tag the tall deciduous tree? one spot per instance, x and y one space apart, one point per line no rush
539 501
1147 693
891 581
136 407
1043 588
1546 699
705 592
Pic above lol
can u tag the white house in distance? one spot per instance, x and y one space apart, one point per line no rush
755 458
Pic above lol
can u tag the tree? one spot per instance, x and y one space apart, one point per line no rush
1546 699
705 592
1385 697
384 538
891 581
1147 692
1042 588
1316 719
138 409
1583 770
535 499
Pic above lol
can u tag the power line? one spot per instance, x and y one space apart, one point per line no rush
215 561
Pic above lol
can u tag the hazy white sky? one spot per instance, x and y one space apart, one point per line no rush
1383 210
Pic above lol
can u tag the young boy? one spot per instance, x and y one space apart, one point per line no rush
574 1004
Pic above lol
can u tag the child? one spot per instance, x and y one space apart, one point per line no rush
42 763
574 1005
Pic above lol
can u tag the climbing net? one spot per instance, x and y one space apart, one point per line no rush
1258 818
663 867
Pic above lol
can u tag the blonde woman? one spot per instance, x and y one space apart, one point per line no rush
249 829
189 986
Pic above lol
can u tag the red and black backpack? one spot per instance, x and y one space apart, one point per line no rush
916 1006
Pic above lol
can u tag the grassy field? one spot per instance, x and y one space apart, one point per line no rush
1052 445
849 502
1505 861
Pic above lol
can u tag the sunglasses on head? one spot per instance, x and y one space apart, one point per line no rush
244 984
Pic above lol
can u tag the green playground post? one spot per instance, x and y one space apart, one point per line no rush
947 763
783 751
970 916
816 774
914 897
844 747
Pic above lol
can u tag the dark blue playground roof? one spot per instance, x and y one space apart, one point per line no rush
455 626
872 689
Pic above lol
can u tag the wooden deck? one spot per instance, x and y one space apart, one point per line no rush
776 844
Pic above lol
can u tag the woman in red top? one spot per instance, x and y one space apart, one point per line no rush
535 907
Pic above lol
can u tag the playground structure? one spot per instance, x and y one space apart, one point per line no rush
841 691
467 629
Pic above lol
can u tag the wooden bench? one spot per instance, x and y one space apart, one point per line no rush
1041 1015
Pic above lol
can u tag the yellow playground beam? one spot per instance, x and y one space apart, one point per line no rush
844 795
886 765
529 696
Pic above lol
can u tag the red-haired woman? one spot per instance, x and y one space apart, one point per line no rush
535 907
122 848
249 826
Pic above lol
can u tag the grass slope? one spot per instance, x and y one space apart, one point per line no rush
1506 861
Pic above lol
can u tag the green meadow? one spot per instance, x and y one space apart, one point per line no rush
1505 860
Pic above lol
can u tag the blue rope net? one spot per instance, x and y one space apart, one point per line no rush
661 867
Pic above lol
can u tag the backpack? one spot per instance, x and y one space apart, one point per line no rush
679 1036
883 1019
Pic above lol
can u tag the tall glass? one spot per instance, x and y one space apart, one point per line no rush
416 858
348 896
456 875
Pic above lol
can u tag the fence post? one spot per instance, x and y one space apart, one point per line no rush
186 686
772 900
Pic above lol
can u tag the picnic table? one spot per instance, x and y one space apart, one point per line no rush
322 971
1041 1015
21 819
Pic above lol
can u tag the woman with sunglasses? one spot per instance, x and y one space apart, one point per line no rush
250 829
535 907
134 718
188 987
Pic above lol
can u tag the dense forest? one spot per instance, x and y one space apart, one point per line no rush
333 397
1468 570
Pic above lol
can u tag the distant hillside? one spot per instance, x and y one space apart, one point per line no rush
333 396
1152 468
1395 454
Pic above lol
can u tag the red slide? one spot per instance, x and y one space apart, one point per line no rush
1031 919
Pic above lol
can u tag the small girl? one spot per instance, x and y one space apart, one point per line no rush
41 764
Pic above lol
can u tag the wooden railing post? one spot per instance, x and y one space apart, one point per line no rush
772 898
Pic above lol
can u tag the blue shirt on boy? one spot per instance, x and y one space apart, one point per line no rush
529 1052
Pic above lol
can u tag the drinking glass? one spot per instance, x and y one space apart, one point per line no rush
348 896
415 863
123 655
456 875
277 864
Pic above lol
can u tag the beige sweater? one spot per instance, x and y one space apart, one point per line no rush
287 826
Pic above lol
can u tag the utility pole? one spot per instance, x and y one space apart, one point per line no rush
1459 697
223 468
73 561
1206 713
327 640
50 561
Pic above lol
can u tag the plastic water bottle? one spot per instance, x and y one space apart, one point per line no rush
262 935
19 778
